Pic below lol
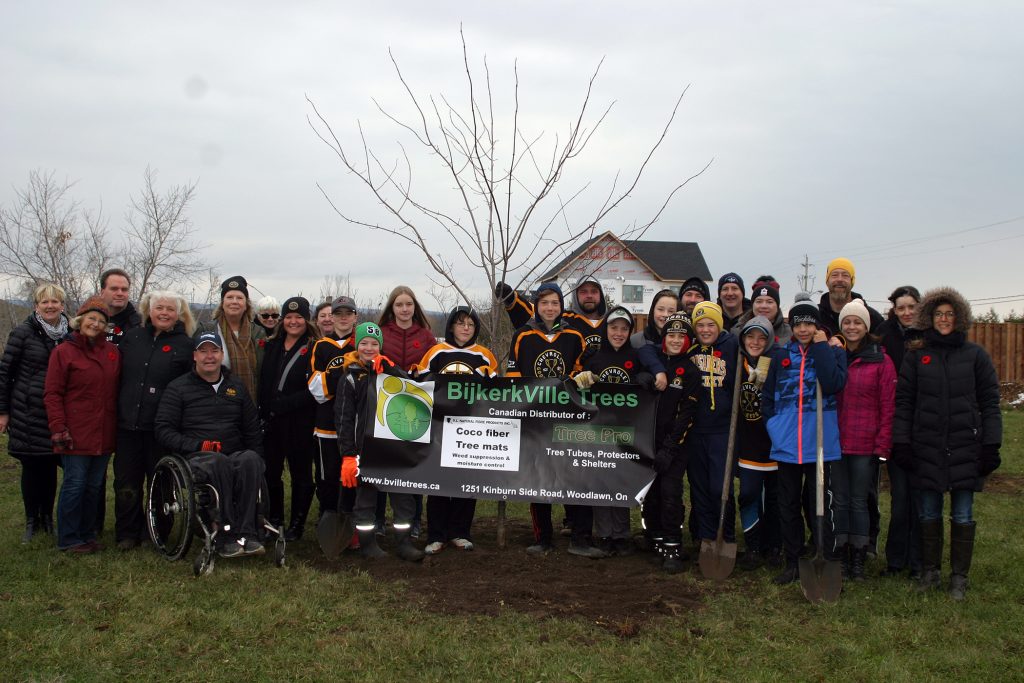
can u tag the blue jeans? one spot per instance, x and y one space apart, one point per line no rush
961 502
852 480
79 496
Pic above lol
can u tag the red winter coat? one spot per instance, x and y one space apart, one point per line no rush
406 347
81 394
867 404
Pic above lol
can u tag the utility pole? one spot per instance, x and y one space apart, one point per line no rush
805 282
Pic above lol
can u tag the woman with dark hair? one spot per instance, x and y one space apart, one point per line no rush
648 341
324 319
22 413
765 302
243 337
288 413
865 408
407 337
151 356
947 431
81 406
903 541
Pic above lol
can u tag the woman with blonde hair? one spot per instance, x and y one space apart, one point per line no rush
151 356
22 413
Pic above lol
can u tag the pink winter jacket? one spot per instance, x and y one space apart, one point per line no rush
867 403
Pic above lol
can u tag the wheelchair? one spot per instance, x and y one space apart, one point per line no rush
179 507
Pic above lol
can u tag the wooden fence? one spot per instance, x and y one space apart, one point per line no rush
1005 343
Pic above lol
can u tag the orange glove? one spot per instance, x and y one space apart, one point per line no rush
379 361
211 446
349 471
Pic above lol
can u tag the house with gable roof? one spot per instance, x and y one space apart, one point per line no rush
631 272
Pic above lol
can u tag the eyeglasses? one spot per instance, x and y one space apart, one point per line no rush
944 315
270 316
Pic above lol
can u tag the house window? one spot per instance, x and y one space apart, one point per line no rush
632 294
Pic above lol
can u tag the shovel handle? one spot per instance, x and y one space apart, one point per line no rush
820 464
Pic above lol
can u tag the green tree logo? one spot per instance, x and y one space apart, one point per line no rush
404 408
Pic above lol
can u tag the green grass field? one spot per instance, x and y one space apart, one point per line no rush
136 616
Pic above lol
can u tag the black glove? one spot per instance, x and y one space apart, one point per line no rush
663 460
504 293
989 461
903 455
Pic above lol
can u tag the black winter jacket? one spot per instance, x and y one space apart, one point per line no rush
121 323
947 407
293 401
190 413
22 380
148 365
895 339
350 405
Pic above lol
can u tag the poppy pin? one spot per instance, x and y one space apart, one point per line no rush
303 351
628 365
263 342
679 372
167 348
112 355
925 360
786 362
718 354
117 330
415 345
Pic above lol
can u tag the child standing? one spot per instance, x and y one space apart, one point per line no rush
788 404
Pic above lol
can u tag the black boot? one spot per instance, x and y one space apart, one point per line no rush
368 547
845 553
46 523
790 574
672 561
858 557
32 525
931 555
406 550
961 549
752 558
298 525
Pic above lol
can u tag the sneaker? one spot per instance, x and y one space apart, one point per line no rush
253 547
788 576
434 548
586 550
126 544
463 543
232 548
539 549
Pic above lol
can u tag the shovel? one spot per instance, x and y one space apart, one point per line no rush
334 532
820 579
718 558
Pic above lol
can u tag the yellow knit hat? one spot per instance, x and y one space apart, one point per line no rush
709 310
842 264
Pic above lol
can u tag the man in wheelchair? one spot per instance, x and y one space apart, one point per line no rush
208 417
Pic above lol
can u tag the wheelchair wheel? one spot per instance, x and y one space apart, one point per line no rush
171 509
279 551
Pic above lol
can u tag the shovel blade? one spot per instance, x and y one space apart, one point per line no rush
334 533
717 559
821 579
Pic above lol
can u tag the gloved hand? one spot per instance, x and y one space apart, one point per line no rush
990 460
903 455
382 363
62 440
504 293
349 471
585 379
210 446
662 460
661 381
759 373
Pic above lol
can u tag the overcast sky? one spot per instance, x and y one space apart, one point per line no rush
885 132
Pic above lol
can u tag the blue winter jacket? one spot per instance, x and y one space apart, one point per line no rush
788 400
717 365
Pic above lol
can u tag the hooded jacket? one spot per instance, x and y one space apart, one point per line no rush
520 312
448 358
351 405
618 366
947 401
783 332
648 341
677 405
22 383
897 339
717 366
539 351
788 400
753 444
81 394
867 402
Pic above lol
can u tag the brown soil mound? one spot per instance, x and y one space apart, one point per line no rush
618 593
1012 484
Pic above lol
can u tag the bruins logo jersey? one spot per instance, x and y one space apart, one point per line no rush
536 354
445 359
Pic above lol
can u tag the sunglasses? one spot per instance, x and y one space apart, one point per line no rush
270 316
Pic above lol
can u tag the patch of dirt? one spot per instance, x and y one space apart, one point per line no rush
1011 394
618 593
1012 484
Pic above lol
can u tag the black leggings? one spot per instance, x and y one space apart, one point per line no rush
39 484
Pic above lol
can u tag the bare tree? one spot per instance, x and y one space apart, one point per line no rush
333 286
509 222
159 247
46 236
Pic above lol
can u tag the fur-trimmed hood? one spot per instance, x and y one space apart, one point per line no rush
943 295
